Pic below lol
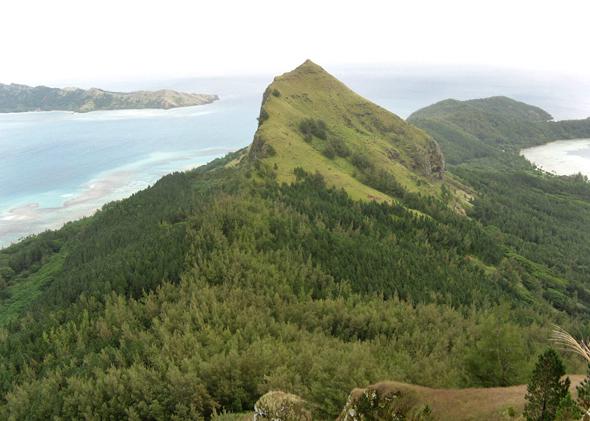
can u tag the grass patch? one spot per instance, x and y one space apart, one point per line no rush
25 290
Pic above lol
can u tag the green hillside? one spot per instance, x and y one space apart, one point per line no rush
285 266
544 218
486 127
309 119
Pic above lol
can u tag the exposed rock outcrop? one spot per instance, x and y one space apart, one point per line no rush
384 401
281 406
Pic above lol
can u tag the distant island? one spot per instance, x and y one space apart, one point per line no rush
20 98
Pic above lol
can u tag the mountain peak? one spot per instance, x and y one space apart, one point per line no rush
309 71
310 119
309 66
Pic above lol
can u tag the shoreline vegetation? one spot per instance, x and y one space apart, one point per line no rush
22 98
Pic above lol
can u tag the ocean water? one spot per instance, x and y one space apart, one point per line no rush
562 157
60 166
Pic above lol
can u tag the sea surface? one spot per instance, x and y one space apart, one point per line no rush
562 157
60 166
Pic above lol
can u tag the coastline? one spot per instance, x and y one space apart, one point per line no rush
213 98
561 157
31 217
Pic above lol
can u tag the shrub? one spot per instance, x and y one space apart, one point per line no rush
385 182
263 116
261 149
329 152
339 147
276 92
269 150
310 127
361 161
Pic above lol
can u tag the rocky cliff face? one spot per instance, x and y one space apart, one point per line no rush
434 161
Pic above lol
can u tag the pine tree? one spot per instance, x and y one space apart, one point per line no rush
546 390
568 410
583 390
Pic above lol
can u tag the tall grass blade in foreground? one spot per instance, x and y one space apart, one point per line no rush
565 340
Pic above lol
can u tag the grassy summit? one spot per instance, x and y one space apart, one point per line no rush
309 119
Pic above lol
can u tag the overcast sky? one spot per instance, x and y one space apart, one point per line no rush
54 41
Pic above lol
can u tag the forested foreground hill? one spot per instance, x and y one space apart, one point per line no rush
19 98
333 253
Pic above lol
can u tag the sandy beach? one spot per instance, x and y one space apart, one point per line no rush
563 157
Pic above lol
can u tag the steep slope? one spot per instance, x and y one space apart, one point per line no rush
545 218
487 127
309 119
19 98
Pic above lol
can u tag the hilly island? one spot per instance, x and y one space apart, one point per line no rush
347 264
20 98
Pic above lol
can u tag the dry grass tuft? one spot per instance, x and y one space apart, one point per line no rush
566 341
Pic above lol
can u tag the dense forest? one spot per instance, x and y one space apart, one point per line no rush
543 218
260 272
